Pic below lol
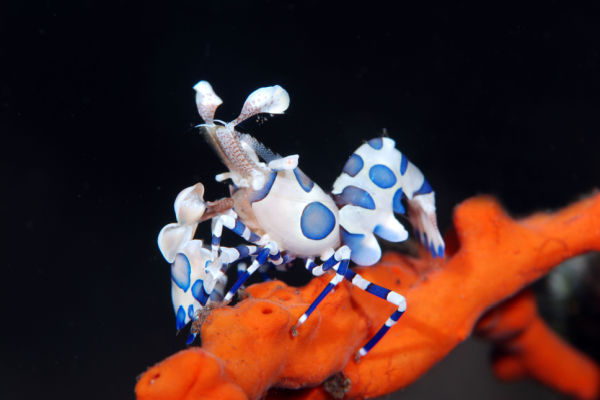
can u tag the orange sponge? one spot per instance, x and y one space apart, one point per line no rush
491 257
526 346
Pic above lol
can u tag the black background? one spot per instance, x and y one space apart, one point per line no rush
96 117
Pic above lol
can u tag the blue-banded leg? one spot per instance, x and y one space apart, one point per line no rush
276 259
262 271
341 259
263 254
241 268
230 255
231 222
318 270
383 293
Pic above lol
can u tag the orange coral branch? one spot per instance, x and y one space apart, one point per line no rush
190 374
526 346
495 257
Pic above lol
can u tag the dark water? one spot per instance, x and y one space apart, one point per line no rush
96 110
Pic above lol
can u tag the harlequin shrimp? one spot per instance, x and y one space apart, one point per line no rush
285 215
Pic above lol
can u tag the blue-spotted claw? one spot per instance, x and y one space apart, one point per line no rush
188 257
188 279
189 210
189 205
173 237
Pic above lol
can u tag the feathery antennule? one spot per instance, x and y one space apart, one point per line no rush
240 156
207 101
270 99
